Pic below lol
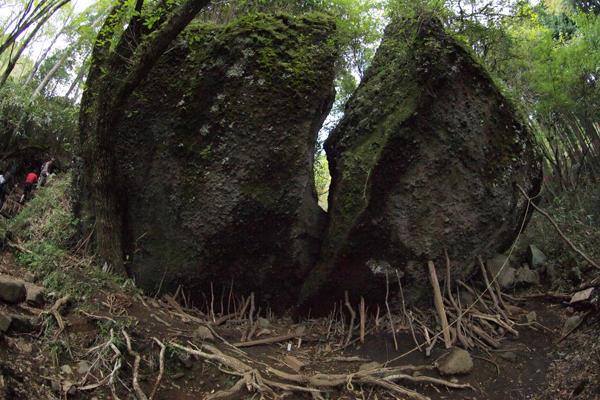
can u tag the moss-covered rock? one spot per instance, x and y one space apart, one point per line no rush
426 158
216 149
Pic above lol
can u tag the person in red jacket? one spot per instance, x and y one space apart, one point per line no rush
31 180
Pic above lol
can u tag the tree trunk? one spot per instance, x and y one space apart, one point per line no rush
111 80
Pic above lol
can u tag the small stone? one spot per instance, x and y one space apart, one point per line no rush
264 323
29 277
457 362
531 317
186 360
570 324
83 367
526 276
509 356
4 322
21 324
205 334
569 311
178 375
35 294
66 369
368 366
12 291
535 257
55 386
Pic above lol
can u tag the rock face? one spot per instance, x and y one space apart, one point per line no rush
426 158
216 151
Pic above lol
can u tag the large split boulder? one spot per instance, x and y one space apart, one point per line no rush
216 151
427 157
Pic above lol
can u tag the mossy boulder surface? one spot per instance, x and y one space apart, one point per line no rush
216 149
426 158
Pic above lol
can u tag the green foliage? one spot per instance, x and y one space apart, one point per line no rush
49 233
49 122
577 214
322 179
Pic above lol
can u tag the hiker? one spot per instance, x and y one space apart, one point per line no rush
31 180
2 191
45 172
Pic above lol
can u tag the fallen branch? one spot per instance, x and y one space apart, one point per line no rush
299 333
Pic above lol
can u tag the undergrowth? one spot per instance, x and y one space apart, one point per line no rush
577 214
47 232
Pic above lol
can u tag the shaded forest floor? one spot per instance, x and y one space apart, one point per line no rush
76 347
50 363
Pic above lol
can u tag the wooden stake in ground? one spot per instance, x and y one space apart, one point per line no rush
361 311
439 304
352 317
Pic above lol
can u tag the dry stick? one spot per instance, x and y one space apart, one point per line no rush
299 333
161 366
212 302
582 254
361 311
497 287
475 295
489 289
251 314
389 313
230 295
352 317
136 367
459 334
246 304
408 317
439 304
484 336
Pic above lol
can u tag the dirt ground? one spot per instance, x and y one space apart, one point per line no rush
46 362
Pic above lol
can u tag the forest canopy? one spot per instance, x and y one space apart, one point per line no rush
544 55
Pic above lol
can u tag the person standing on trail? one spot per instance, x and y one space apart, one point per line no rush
2 191
44 174
31 180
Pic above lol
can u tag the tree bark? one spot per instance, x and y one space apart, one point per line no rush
111 80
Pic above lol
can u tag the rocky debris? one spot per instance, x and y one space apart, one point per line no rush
216 155
509 356
525 276
11 290
501 267
203 333
535 258
15 291
4 323
570 324
35 294
368 366
456 362
427 157
23 324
